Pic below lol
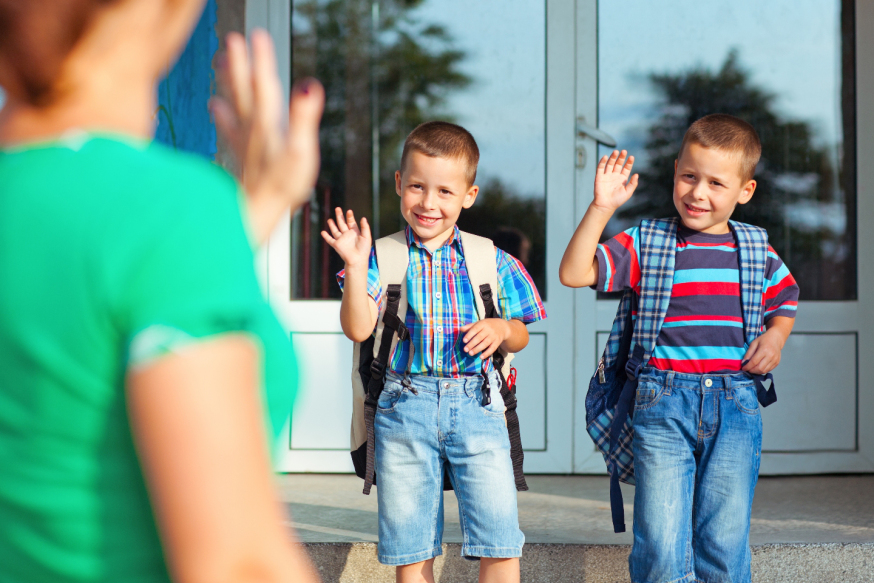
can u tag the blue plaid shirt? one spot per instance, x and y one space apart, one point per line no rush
441 301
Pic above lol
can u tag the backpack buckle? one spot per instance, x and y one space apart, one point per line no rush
377 369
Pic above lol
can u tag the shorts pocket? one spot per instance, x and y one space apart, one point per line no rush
389 397
494 409
745 399
648 394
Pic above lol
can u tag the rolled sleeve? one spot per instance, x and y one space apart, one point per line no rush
518 298
374 287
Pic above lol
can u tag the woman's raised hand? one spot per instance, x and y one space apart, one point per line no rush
351 242
279 163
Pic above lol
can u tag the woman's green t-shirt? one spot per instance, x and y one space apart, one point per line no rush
110 252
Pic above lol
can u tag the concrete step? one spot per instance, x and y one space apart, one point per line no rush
814 529
560 563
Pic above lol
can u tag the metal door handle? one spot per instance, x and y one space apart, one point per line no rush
585 130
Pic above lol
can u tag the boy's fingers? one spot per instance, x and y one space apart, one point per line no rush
632 184
619 162
365 229
477 347
328 239
467 327
602 163
626 168
611 161
333 228
341 222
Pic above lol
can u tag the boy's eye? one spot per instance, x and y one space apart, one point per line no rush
689 176
419 186
715 183
444 191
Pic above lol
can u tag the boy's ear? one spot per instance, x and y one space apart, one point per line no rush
677 161
747 192
470 197
398 182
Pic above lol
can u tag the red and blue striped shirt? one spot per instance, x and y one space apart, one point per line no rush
441 301
703 329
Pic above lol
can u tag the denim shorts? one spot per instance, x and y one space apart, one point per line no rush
697 448
443 425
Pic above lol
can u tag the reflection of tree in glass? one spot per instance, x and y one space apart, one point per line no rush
413 66
798 190
498 208
398 78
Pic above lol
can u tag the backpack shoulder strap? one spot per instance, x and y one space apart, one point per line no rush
752 243
392 256
658 247
480 259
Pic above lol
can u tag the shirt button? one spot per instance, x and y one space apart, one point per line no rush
437 295
708 383
440 330
439 363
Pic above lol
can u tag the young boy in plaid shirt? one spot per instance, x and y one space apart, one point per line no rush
697 426
439 421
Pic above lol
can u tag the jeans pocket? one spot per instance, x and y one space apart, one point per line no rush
495 408
648 394
745 399
389 397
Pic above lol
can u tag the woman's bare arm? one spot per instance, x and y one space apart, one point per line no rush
198 422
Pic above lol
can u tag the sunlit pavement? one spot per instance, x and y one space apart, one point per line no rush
816 528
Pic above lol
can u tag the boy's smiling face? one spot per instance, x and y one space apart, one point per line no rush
707 186
433 191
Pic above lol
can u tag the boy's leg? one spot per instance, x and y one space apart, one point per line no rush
727 475
665 434
477 448
499 570
422 572
409 473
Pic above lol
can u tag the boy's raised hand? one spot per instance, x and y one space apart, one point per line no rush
349 240
612 186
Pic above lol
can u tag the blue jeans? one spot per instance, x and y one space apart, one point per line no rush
444 425
697 447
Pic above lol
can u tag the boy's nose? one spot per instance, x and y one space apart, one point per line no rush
429 200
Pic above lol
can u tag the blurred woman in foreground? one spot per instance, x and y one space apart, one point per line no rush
135 346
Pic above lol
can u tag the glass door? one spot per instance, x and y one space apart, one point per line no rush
791 69
503 69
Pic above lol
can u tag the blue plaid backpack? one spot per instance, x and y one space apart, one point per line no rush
610 399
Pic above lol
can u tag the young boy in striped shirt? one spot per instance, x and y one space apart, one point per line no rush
438 421
697 426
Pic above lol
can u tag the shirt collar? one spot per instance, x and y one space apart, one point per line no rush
413 238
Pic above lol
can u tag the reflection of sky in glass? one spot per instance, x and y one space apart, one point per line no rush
790 47
504 107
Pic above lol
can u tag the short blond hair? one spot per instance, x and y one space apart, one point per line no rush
441 139
729 134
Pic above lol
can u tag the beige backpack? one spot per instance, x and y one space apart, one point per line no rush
370 358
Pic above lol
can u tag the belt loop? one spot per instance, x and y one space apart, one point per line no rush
669 382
